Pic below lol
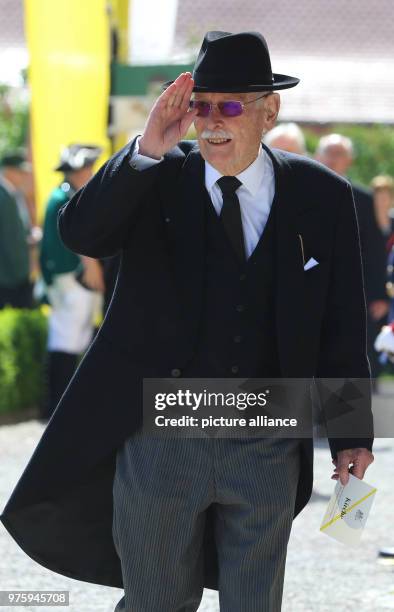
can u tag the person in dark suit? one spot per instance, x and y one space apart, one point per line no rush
383 199
15 233
214 236
336 152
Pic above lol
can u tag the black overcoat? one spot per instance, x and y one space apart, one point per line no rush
60 512
373 245
374 258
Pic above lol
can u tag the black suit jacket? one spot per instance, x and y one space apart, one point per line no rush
372 242
61 510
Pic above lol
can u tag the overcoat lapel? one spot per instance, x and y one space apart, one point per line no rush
186 235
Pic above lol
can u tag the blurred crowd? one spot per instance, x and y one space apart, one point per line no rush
375 214
36 268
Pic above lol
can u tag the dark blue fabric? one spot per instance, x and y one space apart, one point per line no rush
237 328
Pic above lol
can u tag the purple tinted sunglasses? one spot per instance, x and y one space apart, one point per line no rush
228 108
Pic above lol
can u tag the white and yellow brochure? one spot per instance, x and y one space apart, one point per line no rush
348 510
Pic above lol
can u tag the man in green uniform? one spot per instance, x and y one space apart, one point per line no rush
73 283
15 287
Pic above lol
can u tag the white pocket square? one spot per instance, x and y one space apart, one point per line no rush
311 263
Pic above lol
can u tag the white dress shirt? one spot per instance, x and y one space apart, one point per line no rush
255 194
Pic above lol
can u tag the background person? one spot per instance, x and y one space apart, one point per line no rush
15 233
390 283
73 283
336 152
383 198
287 137
383 194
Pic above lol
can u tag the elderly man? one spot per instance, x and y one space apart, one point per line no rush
287 137
214 236
336 152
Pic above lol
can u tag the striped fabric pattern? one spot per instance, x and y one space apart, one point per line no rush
161 490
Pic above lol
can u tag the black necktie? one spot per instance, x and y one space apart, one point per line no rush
231 214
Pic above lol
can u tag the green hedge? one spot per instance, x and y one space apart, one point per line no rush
14 119
23 335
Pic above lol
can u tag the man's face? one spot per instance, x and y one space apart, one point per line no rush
19 178
383 199
287 143
231 144
79 178
337 158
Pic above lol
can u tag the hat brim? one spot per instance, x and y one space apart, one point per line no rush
62 168
68 168
281 81
23 166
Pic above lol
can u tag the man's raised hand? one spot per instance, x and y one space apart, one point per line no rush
169 119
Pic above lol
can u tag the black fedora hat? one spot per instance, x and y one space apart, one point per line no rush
236 63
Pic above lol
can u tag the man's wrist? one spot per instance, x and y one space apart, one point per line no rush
147 151
140 161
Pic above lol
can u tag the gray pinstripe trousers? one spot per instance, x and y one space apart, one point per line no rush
161 490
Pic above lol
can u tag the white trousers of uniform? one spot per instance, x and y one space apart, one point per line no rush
71 322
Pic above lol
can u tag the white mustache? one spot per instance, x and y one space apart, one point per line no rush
216 134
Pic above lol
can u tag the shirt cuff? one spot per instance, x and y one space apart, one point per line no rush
141 162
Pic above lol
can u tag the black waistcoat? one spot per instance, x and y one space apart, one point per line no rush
237 336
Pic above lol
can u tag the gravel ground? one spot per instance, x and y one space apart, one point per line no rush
322 575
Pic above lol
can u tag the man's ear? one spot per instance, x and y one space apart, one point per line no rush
271 110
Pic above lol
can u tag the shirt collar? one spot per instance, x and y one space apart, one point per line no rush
251 178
